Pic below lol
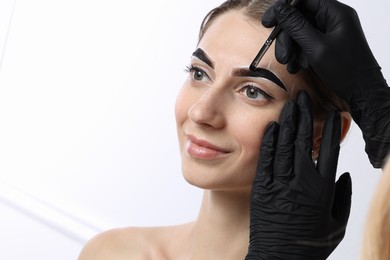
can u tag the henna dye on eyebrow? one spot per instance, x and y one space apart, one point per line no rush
200 54
259 73
243 72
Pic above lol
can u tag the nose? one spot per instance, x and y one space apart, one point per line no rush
210 108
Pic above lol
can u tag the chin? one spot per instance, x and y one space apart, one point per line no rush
214 179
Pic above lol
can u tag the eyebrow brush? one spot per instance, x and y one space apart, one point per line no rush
275 32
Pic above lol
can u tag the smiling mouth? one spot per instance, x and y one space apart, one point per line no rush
204 150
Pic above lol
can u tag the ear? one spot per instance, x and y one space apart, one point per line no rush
346 120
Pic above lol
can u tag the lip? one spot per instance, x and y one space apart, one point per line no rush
201 149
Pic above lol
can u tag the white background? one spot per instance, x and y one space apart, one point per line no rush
87 129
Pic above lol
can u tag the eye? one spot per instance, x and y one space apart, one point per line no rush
255 93
197 73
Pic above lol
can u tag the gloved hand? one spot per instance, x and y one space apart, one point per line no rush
297 211
326 36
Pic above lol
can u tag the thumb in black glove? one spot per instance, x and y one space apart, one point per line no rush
297 211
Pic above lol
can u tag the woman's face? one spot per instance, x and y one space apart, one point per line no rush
223 109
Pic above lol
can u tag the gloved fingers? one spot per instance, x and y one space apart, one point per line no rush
269 20
298 60
284 155
301 58
304 140
284 48
293 67
324 12
297 26
330 147
315 6
342 198
265 164
312 7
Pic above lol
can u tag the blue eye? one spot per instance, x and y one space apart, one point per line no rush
255 93
197 73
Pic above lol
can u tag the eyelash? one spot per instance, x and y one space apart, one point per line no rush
259 90
193 69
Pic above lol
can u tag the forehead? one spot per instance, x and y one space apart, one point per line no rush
233 40
233 34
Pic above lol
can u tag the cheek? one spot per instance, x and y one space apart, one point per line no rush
182 105
250 147
250 134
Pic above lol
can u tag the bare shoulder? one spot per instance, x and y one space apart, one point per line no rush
130 243
113 244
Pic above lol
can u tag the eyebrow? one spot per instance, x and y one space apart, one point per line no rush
261 73
200 54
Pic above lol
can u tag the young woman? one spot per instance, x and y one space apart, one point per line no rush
222 112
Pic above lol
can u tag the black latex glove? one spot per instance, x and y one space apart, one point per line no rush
297 211
326 36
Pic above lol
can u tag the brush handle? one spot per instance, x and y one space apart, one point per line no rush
275 32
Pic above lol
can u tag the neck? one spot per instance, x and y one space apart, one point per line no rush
222 227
